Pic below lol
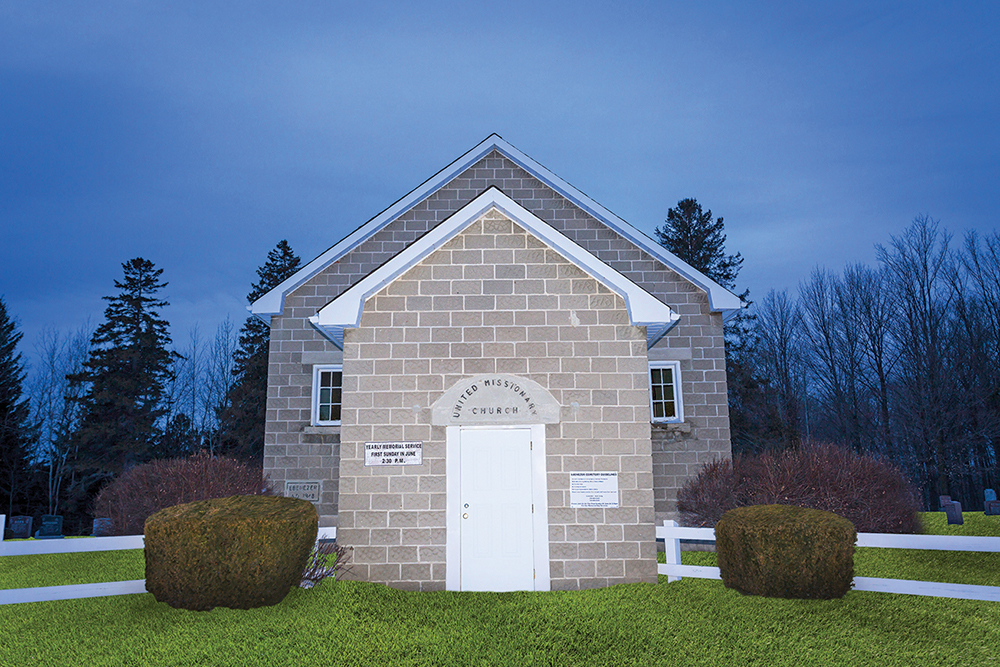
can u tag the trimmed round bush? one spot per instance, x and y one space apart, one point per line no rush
783 551
240 552
146 489
873 495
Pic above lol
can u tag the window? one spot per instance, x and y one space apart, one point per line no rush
665 391
326 395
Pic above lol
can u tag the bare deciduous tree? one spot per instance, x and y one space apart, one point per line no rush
55 402
872 316
781 361
218 380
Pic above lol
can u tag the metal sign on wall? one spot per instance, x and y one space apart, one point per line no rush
593 489
394 453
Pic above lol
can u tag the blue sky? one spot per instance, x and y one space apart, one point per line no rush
198 137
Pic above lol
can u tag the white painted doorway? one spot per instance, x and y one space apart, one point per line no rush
496 532
489 564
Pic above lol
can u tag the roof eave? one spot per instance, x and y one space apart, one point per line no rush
345 310
720 299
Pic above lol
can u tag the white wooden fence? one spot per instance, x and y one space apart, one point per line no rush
672 534
64 546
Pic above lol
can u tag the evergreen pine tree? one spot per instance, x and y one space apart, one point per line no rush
692 235
16 431
242 418
128 366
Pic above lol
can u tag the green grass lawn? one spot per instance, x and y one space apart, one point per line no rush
690 622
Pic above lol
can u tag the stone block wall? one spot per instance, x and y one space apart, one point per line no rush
494 299
295 450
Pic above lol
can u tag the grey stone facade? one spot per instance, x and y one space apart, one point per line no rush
495 300
501 305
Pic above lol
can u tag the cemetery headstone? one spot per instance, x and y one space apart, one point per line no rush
954 512
991 508
51 527
942 501
102 528
20 527
990 494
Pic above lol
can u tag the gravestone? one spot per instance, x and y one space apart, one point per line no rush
20 527
102 528
954 512
990 494
51 527
942 501
991 507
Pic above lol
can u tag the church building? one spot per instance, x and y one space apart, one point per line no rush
495 384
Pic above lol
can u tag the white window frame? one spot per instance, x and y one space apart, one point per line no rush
675 366
317 369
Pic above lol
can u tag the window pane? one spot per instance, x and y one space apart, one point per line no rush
663 393
328 395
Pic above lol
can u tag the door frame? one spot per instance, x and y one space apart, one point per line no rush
453 513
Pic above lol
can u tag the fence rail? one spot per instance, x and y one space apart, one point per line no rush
672 534
71 592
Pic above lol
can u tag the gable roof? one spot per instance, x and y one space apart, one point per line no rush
719 298
345 310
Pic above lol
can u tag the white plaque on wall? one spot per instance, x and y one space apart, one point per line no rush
593 489
394 453
304 490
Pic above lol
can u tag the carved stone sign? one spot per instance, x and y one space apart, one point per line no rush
953 511
593 489
102 527
394 453
51 527
303 490
495 399
20 527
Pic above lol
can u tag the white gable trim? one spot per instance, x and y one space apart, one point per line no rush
345 311
719 298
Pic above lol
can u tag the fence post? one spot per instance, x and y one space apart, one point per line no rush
672 548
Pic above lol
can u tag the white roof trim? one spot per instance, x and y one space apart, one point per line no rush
345 311
719 298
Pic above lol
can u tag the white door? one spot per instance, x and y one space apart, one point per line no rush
496 527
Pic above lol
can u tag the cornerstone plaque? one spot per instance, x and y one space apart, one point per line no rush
303 490
593 489
394 453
